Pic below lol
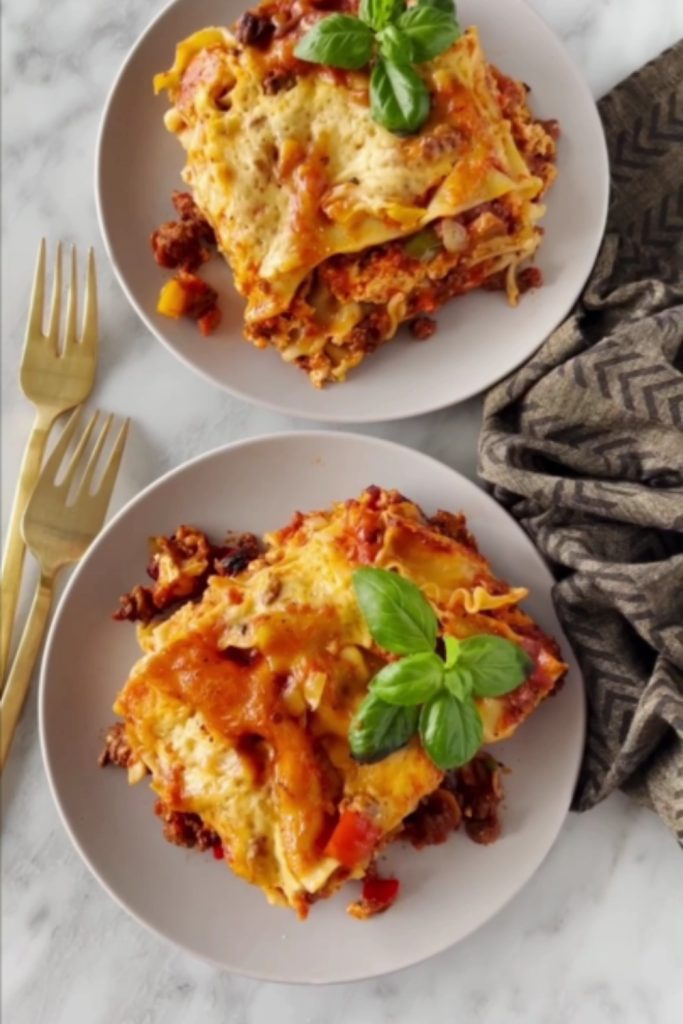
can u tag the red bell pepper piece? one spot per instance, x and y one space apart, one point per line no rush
380 892
353 839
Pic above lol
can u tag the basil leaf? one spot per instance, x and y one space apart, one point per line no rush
399 617
452 646
453 682
496 665
378 13
430 30
441 5
379 728
340 41
412 680
459 682
423 244
398 97
395 45
450 730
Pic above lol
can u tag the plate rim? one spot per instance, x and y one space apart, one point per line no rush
421 409
531 868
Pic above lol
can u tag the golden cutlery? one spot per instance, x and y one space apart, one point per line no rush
55 379
58 530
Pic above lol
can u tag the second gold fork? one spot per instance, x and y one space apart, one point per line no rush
58 531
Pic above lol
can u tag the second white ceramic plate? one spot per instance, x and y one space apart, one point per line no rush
480 338
189 898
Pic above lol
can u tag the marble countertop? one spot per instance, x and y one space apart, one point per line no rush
597 934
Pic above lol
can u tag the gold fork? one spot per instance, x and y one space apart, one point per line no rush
58 531
55 381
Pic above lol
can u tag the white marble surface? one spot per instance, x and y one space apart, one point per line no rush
595 937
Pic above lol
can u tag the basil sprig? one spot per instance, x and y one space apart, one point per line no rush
390 37
423 692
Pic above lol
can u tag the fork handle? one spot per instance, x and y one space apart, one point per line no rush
19 678
13 556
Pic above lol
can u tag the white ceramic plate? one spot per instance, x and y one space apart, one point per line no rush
447 891
480 338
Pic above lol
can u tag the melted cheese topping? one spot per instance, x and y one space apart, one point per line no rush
241 704
288 179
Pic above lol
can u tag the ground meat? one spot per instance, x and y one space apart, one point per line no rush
552 127
136 606
530 277
496 282
200 297
422 327
180 566
254 30
189 213
436 816
235 554
370 332
184 243
184 829
175 244
454 526
444 139
278 80
478 788
116 750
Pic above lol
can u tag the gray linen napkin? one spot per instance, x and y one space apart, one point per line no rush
584 446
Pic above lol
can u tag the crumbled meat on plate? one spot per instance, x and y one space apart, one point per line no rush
422 327
185 829
180 566
183 243
116 750
254 30
478 788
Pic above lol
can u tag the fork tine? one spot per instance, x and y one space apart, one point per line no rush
89 329
57 454
77 456
35 316
55 308
103 493
70 335
91 468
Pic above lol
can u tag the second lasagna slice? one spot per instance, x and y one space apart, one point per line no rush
337 230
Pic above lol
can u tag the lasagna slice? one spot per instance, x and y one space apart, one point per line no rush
241 704
336 230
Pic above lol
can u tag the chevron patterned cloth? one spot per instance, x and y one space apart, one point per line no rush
584 446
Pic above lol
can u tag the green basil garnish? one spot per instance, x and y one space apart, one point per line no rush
391 38
455 684
423 692
441 5
495 664
398 97
430 31
412 680
379 728
395 45
450 730
452 647
378 13
398 616
341 41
